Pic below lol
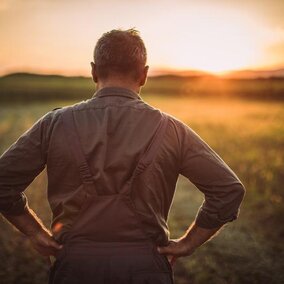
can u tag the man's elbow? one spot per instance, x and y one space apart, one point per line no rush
239 192
231 209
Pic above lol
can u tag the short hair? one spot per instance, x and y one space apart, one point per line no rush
121 52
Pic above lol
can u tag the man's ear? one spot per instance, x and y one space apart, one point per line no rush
144 76
94 72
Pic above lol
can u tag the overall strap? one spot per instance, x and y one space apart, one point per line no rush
76 148
149 154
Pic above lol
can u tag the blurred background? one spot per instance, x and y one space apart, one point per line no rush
217 65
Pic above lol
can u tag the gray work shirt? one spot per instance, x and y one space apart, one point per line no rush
114 127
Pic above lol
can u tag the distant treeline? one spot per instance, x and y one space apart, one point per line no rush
24 87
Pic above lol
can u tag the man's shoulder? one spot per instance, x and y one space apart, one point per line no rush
58 111
55 113
178 123
52 116
182 129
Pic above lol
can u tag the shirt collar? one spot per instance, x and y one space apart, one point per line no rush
116 91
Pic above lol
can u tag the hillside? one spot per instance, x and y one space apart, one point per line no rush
28 87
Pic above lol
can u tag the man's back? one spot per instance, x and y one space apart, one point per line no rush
115 128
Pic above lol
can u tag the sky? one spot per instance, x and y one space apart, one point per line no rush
58 36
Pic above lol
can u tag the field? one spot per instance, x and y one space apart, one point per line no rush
249 136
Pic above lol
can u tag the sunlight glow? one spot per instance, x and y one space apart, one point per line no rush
59 37
217 44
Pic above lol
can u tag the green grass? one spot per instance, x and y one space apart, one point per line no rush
249 136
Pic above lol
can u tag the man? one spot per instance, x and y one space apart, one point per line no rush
112 164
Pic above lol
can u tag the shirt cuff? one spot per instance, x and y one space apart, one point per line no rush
18 207
209 220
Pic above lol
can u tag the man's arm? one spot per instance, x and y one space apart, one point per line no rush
19 165
31 226
194 237
222 190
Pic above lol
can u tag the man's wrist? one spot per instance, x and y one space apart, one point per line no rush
32 231
195 236
187 242
27 223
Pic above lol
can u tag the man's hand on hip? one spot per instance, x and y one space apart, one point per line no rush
175 249
44 244
31 226
185 246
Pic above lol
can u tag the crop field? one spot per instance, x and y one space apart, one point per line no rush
247 134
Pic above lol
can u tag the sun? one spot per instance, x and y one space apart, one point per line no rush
215 44
217 47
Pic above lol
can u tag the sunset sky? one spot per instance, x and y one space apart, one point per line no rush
58 36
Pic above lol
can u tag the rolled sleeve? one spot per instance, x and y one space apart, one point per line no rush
222 189
19 165
226 211
15 206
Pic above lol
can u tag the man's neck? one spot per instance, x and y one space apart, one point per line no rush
119 84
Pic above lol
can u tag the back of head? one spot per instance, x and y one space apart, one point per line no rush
120 53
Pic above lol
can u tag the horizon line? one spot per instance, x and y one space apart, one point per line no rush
156 72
